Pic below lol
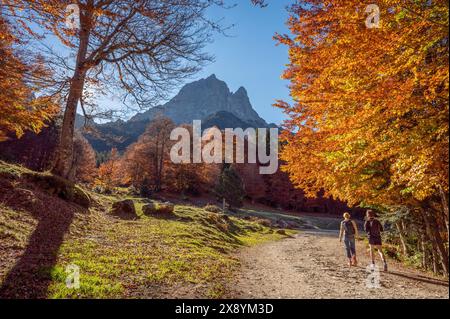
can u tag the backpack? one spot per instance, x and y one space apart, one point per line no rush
348 227
375 228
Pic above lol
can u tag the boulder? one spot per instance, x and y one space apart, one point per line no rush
159 210
166 208
149 209
58 186
81 198
124 209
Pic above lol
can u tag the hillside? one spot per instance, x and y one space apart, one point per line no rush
194 253
42 232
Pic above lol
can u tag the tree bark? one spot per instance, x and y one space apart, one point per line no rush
424 251
436 240
64 154
444 205
402 237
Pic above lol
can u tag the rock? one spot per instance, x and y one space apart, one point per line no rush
124 209
80 197
149 209
159 210
166 208
264 222
292 225
281 232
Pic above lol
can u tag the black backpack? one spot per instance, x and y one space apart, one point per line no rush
375 228
349 227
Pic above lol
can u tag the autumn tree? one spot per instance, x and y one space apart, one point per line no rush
146 160
370 120
22 77
138 47
109 173
85 163
188 177
141 48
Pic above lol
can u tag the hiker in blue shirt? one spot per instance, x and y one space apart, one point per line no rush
348 233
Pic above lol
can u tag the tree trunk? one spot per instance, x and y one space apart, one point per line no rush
444 206
64 153
424 251
402 237
436 240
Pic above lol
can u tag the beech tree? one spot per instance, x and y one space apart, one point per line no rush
22 75
139 47
145 161
370 120
84 160
109 173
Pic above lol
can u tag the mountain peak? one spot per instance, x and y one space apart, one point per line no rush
205 97
208 99
241 91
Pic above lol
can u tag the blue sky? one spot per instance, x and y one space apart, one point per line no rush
250 57
247 57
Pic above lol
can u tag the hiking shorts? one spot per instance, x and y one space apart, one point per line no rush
376 241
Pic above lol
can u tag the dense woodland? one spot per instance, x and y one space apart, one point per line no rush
368 128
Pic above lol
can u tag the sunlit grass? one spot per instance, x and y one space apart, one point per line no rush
120 258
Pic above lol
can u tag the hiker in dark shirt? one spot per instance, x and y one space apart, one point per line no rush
374 229
348 232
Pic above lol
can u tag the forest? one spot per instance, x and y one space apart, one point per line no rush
366 128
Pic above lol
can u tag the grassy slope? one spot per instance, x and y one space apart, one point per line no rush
189 256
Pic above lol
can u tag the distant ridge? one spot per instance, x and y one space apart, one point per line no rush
209 100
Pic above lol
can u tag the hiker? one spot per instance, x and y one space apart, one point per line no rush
373 229
348 232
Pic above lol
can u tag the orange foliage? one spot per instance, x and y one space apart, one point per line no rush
109 173
20 108
84 160
370 121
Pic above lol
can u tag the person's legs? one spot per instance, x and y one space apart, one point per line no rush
383 258
372 254
379 248
353 252
348 250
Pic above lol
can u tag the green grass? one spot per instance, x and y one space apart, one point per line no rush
122 258
143 258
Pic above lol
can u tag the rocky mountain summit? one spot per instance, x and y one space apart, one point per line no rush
209 100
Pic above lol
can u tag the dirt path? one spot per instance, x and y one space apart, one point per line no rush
312 265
